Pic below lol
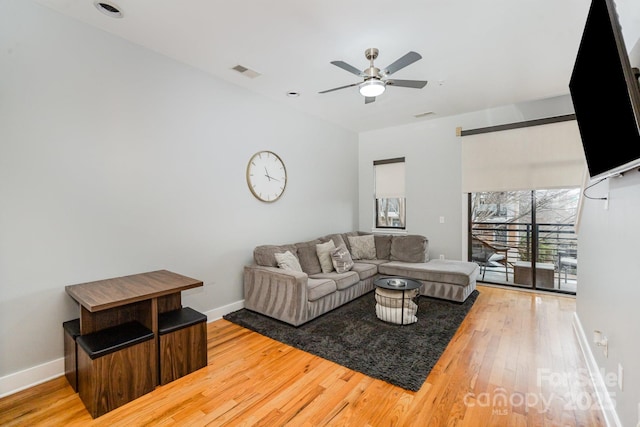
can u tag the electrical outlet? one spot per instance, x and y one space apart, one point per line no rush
441 220
620 372
441 256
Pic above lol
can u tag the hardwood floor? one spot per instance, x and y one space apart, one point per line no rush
514 361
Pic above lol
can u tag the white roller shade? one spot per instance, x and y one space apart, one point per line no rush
390 179
528 158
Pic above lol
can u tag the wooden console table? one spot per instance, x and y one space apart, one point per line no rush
139 297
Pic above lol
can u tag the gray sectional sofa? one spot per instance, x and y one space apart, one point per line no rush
296 283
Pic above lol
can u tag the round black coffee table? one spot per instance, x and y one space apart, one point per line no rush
400 305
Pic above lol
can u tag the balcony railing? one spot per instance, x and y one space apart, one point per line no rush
555 246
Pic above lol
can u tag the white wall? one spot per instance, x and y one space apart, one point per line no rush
432 163
115 160
432 154
609 286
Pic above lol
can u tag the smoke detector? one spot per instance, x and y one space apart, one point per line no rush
246 71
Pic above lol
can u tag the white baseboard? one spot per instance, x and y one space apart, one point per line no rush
35 375
602 394
29 377
217 313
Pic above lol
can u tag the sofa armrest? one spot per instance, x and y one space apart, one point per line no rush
277 293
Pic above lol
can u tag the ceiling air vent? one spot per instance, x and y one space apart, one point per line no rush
108 9
246 71
419 115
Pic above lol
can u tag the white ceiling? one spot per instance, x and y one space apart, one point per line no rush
476 54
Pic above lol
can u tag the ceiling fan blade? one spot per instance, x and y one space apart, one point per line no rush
408 59
415 84
338 88
347 67
369 99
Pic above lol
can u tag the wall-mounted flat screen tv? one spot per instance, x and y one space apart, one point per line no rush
606 96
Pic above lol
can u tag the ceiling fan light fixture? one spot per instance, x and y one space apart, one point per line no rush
371 88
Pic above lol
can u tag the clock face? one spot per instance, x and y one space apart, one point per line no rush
266 176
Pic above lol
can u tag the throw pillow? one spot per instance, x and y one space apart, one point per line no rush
341 259
308 256
324 255
363 247
288 261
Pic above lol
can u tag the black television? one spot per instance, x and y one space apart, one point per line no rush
606 95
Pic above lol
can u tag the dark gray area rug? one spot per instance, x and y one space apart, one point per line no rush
354 337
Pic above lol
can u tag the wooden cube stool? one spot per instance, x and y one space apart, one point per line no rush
71 333
114 366
183 343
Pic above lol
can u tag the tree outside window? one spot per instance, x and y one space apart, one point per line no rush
390 213
390 201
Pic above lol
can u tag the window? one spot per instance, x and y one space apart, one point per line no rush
532 225
390 199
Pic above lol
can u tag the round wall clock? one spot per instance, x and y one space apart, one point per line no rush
266 176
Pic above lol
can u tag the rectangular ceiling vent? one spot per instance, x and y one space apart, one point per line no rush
246 72
427 113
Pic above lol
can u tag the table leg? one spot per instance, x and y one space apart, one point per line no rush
86 321
155 368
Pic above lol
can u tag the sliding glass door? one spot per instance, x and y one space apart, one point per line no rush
525 238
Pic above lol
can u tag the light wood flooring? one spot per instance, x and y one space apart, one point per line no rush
514 361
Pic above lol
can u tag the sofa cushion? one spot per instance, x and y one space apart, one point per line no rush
373 261
287 261
443 271
323 250
341 259
308 256
365 269
318 288
343 280
264 255
362 247
410 248
383 245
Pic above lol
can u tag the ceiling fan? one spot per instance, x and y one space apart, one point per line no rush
375 79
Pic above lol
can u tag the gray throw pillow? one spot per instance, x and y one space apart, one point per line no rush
306 252
288 261
363 247
341 259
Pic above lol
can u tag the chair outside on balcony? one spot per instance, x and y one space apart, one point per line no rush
484 253
567 259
